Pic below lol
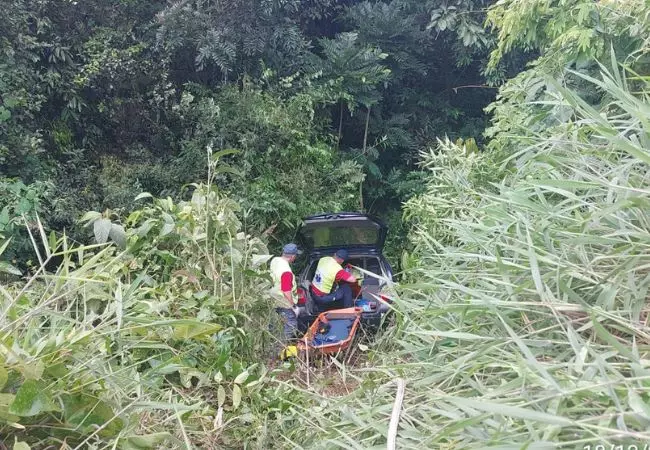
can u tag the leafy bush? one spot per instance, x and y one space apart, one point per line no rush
20 205
285 166
455 168
146 345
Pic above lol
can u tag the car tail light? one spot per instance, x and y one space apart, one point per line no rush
386 298
302 296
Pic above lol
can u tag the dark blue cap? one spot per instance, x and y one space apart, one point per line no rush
342 254
291 249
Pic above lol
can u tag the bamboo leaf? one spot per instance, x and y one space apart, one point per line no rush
453 335
193 329
142 195
515 412
5 267
145 441
4 376
611 340
226 152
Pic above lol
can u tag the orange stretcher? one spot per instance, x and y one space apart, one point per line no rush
332 331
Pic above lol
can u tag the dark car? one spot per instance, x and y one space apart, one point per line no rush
363 236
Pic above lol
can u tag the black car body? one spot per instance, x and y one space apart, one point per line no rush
363 236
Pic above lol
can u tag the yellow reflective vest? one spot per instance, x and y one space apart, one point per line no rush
278 266
326 274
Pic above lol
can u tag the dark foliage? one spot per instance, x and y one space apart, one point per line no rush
327 101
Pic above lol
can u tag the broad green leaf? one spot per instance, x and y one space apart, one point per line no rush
6 399
5 114
118 235
102 228
4 221
57 370
257 260
225 152
144 441
91 216
22 445
24 206
32 370
87 412
637 404
228 169
31 400
194 330
5 402
166 369
239 379
166 229
236 396
187 375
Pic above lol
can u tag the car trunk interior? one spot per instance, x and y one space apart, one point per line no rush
369 263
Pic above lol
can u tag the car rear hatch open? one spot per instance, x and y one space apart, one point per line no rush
351 231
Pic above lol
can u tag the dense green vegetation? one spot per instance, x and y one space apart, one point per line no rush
153 154
104 100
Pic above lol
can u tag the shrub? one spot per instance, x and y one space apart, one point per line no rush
147 342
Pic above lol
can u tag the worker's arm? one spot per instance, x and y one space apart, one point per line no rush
286 284
342 275
289 298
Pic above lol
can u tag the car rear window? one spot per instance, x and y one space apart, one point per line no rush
324 236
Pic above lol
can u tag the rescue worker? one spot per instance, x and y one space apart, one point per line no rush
284 289
326 287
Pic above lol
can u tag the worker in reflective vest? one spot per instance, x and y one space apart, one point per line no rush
326 287
284 288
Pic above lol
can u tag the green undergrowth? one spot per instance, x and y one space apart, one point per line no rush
520 323
153 337
524 322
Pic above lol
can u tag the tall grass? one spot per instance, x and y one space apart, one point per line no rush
525 324
152 346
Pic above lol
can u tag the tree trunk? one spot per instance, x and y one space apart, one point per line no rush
365 134
361 196
340 125
365 145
